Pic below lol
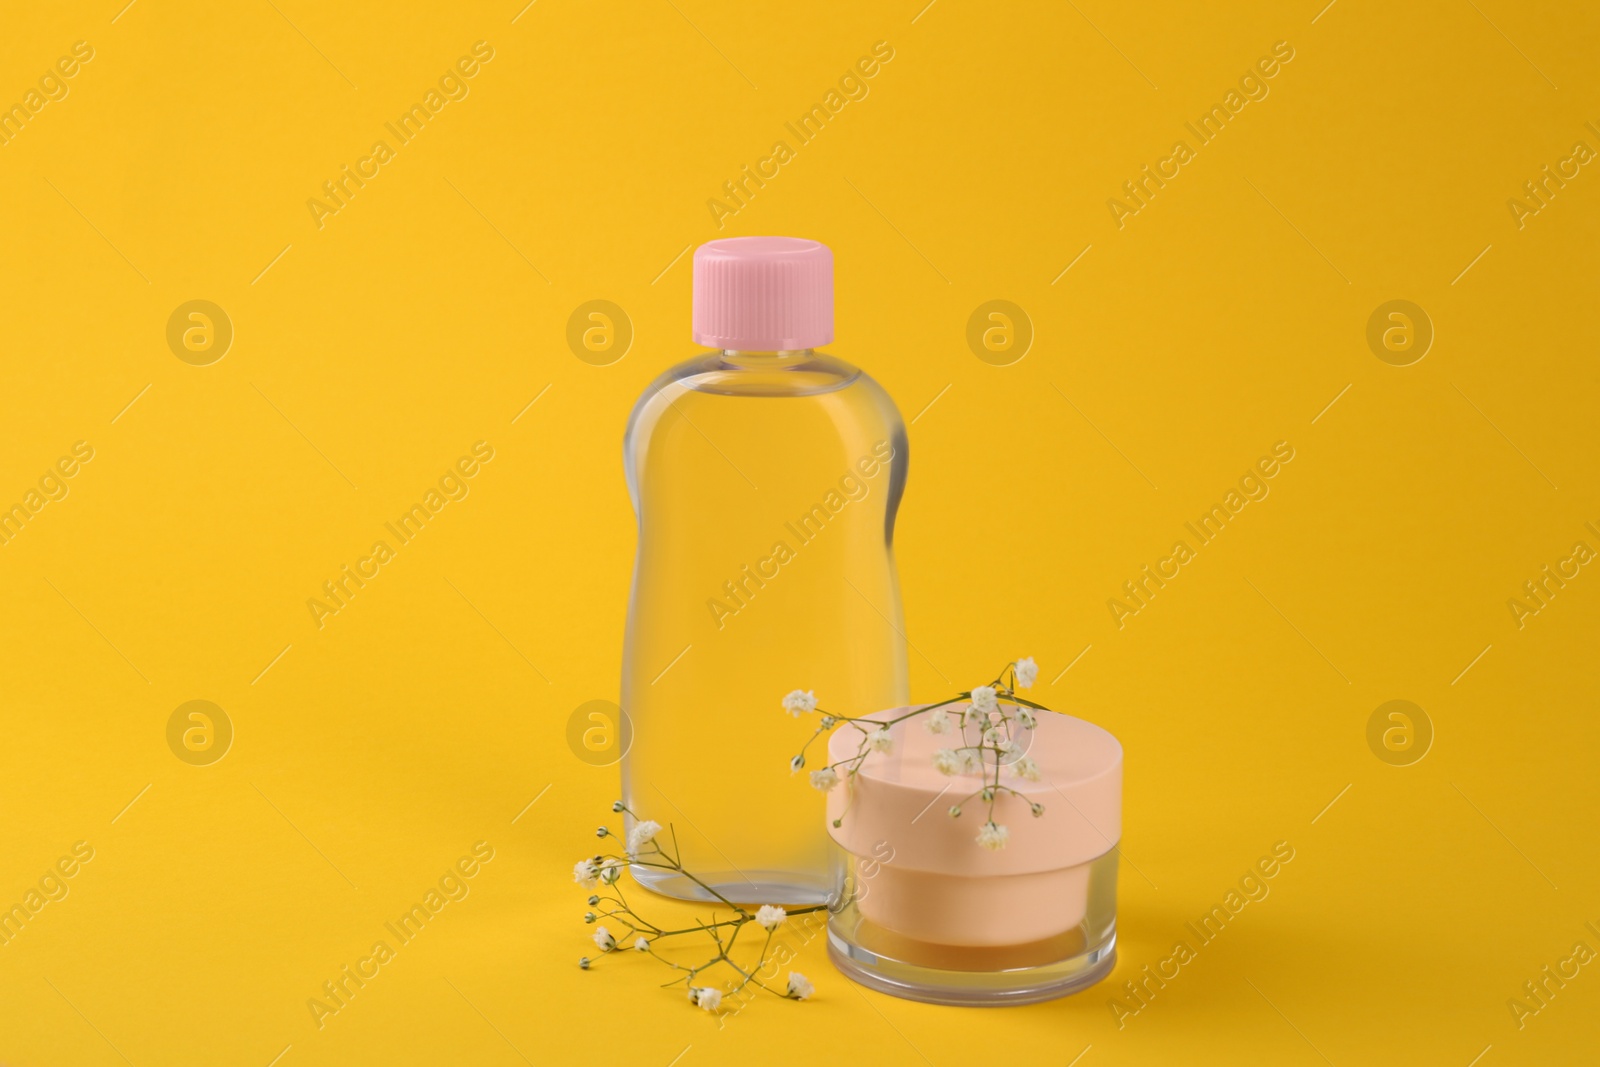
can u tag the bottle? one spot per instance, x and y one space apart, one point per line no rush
765 476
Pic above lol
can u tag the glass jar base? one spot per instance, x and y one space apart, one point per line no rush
954 984
749 887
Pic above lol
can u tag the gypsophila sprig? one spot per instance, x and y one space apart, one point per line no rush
993 836
642 834
651 847
799 701
992 719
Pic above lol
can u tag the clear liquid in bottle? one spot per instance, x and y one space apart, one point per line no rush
766 483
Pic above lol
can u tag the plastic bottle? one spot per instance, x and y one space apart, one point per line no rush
765 476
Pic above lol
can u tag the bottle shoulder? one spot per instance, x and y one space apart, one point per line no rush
752 374
819 376
792 399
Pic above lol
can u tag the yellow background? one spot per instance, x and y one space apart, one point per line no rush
432 309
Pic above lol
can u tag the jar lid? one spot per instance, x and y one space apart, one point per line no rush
899 799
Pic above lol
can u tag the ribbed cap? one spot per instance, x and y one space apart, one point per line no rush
763 294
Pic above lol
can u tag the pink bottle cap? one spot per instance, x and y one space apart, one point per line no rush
763 294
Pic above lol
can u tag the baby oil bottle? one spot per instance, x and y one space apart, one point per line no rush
765 476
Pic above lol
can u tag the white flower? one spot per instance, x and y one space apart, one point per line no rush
971 761
947 761
1025 768
991 736
706 997
993 836
610 871
1026 717
642 834
603 938
770 917
798 701
880 740
983 698
1005 746
824 779
938 722
642 943
585 873
1027 673
800 986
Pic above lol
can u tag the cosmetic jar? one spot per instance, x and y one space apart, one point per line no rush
922 910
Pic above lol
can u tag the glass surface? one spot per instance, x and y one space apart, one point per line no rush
935 973
765 486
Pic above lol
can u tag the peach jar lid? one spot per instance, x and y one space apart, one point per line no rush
901 800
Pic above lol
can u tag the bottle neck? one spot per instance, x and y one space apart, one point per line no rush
780 358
